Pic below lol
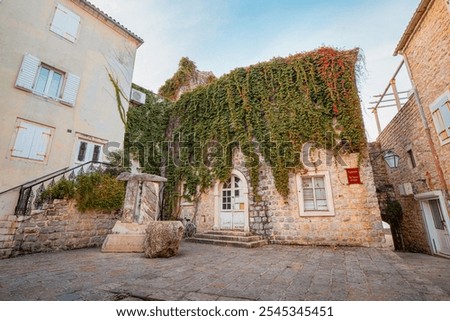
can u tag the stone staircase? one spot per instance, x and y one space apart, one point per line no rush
229 238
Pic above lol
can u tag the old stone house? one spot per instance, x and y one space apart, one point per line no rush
232 181
60 63
420 134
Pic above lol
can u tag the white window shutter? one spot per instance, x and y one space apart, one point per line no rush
23 141
72 25
39 144
70 89
27 73
89 152
59 20
65 23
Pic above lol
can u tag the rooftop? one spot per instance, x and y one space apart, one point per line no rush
88 6
412 25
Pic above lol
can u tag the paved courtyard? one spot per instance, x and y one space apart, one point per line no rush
205 272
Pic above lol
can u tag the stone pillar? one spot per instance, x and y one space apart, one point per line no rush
149 203
130 203
141 207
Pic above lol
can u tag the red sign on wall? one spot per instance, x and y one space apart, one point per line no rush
353 176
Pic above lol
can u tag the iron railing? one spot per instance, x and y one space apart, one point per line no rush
30 192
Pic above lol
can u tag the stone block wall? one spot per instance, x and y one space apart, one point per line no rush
356 220
429 59
58 226
406 132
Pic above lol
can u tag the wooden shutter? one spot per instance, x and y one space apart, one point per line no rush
65 23
39 144
28 71
24 137
70 89
440 111
31 141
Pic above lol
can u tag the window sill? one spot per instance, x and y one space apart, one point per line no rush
52 100
316 213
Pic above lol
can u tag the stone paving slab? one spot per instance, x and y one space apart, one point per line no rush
204 273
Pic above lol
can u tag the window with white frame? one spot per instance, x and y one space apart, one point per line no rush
44 80
49 82
65 23
88 151
31 141
314 194
440 110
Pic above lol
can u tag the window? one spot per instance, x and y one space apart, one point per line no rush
315 198
88 151
96 154
82 152
440 110
46 81
31 140
65 23
412 160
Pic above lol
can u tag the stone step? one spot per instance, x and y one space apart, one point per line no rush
230 232
226 237
229 238
248 244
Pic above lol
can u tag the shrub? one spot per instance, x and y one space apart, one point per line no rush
99 192
94 191
61 190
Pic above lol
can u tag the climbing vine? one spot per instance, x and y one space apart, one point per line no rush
145 132
268 111
187 71
119 95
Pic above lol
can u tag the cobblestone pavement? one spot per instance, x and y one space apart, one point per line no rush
205 272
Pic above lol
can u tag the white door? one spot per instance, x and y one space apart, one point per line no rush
232 206
438 225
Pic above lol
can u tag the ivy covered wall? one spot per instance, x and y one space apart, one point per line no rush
268 111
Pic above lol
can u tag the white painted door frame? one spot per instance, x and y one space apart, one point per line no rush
437 222
243 189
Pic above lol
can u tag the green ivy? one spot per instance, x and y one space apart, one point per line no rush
268 111
185 73
145 131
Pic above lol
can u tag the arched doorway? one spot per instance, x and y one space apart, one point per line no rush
232 203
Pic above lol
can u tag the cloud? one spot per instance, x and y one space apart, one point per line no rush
222 35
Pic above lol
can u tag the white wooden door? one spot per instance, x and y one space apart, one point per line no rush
438 225
232 206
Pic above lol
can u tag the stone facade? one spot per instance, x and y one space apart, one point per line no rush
355 220
428 56
423 173
58 226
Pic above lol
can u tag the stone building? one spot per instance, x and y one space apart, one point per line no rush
61 63
331 200
420 134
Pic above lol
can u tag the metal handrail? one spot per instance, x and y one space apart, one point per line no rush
26 190
60 173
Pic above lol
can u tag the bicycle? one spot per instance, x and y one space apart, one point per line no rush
189 228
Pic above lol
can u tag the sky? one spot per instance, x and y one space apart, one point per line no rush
221 35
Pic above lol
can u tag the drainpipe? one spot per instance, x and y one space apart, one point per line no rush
439 170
